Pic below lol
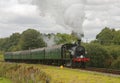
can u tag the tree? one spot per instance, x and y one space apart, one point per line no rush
64 38
113 50
99 56
116 63
4 44
31 39
106 36
14 41
117 37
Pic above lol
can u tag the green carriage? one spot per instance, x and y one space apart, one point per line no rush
46 55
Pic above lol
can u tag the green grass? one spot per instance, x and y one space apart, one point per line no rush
22 73
67 75
4 80
55 74
1 57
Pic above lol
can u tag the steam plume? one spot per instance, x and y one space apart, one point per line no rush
50 40
67 13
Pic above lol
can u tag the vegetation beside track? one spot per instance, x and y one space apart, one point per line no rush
1 57
22 73
35 73
3 80
67 75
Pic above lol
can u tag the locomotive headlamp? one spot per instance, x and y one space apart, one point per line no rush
81 56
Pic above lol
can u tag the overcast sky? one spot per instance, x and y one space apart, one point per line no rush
19 15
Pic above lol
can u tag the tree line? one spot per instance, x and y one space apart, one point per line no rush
31 39
104 51
108 37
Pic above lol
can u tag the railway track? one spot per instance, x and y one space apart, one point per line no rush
103 70
2 61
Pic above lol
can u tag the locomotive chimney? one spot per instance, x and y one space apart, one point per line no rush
79 41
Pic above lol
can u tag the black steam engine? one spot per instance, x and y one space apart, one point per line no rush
77 54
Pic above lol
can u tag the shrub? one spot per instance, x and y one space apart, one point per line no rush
113 50
99 56
22 73
116 63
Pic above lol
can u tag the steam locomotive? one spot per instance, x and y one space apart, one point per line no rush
72 55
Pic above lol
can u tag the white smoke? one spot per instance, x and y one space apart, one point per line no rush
50 40
67 13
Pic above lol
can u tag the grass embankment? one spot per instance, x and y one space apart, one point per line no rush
66 75
23 73
4 80
31 73
1 57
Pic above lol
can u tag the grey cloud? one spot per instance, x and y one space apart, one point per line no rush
25 1
21 20
99 13
99 2
7 3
